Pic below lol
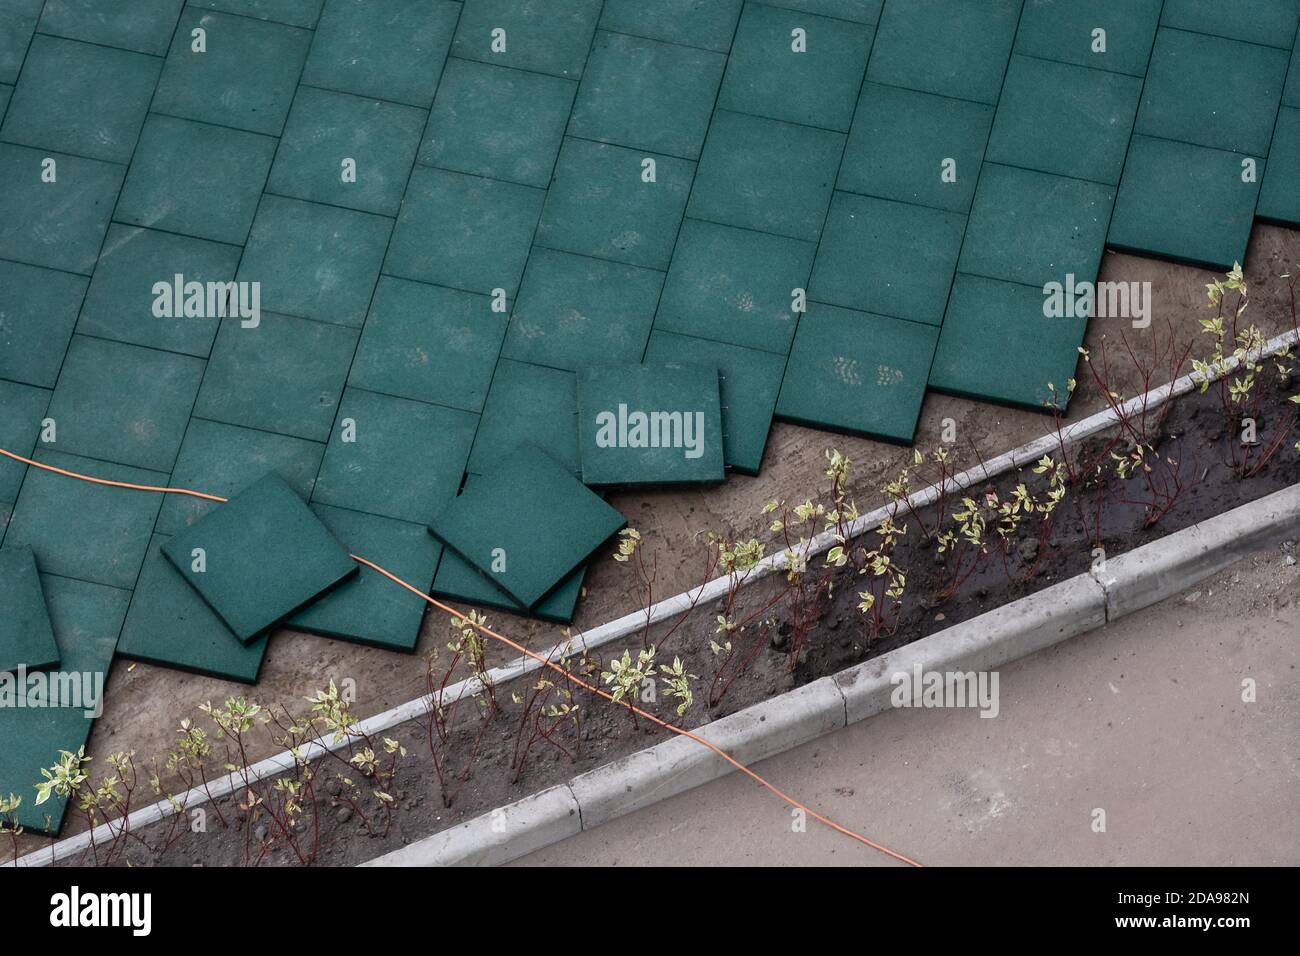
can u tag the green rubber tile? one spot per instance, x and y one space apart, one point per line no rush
38 311
325 130
528 404
86 619
547 37
528 525
598 205
26 639
950 47
298 13
1153 216
858 373
1291 92
245 78
142 25
81 98
264 554
1062 30
6 512
122 305
888 258
465 232
708 24
17 24
1270 22
220 459
460 582
647 95
650 424
170 625
1041 97
406 458
82 530
371 609
749 381
285 375
196 179
986 315
429 343
396 57
735 285
815 87
1279 199
124 403
496 122
314 261
5 93
1035 228
738 184
1212 92
59 224
22 408
859 11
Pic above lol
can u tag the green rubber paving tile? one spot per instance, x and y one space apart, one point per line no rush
1212 92
950 47
370 609
298 13
748 383
81 98
142 25
460 582
124 403
17 24
465 232
1270 22
38 311
325 130
1062 30
59 224
709 24
888 258
598 205
528 404
736 184
1291 92
545 36
5 93
734 285
220 459
405 460
647 95
245 78
284 376
1040 98
170 625
82 530
1153 216
196 179
22 407
6 512
397 57
650 424
1035 228
121 301
528 525
984 318
860 11
430 344
26 639
265 555
816 87
314 261
1279 199
496 122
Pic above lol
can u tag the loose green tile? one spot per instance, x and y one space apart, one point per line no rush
1279 199
123 306
1270 22
860 11
6 513
429 343
1291 92
459 581
298 13
196 179
1035 228
950 47
285 375
465 232
650 424
703 23
888 258
406 458
245 78
816 87
1040 98
314 261
26 639
734 285
528 404
766 175
858 373
1062 30
22 408
17 23
529 525
598 204
551 37
170 625
647 95
5 93
142 25
38 310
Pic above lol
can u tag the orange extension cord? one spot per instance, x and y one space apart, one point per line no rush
546 662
